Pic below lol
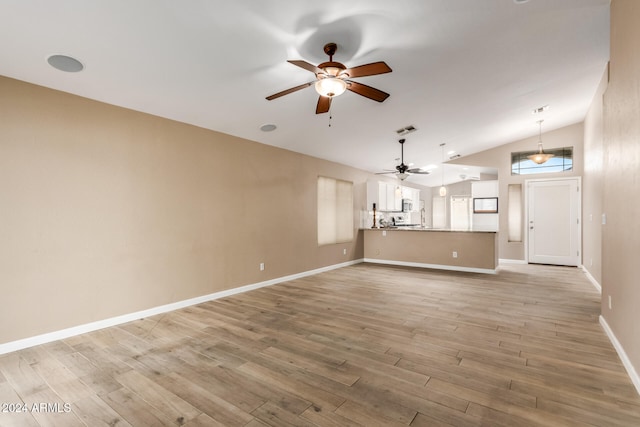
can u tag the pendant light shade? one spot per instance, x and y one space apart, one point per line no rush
443 189
540 157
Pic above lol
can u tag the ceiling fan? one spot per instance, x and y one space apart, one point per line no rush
403 171
333 78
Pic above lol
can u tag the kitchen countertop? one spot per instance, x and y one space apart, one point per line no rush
418 228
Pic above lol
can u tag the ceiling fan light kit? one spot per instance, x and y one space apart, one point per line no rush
334 78
330 86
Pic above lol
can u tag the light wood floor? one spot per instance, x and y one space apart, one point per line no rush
363 345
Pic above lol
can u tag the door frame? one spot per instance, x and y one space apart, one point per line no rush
526 213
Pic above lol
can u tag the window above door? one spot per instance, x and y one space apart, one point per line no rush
562 161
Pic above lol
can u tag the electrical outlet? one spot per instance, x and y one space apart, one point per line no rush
344 252
455 254
609 302
262 266
384 233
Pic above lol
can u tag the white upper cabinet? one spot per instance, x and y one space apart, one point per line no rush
388 196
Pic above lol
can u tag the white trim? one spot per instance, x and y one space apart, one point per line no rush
118 320
435 266
512 261
635 379
592 279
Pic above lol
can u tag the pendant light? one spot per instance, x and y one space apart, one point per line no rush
443 189
540 157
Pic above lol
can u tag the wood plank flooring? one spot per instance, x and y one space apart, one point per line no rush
363 345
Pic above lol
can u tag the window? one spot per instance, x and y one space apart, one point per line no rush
335 211
561 162
514 212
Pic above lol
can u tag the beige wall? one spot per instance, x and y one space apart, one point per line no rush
621 185
500 158
592 186
105 211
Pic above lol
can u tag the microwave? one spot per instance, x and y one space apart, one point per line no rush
407 205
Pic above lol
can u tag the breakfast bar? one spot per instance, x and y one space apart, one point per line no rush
459 250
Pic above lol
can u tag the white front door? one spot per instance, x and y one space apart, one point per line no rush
553 221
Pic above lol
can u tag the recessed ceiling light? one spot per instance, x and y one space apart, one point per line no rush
520 1
268 127
65 63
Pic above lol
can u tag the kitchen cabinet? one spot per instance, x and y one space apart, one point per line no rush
413 195
388 196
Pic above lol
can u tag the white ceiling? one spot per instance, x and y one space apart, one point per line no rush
467 73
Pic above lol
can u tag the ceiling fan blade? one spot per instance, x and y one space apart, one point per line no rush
288 91
367 91
324 103
418 171
304 64
368 70
386 173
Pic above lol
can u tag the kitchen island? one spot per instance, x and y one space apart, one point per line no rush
460 250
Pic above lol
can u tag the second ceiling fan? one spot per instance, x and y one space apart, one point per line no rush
333 78
403 171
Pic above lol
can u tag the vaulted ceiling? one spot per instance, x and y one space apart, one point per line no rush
467 73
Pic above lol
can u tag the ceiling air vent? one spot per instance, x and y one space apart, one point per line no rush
540 109
405 130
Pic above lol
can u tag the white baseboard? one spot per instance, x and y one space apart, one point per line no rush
114 321
635 379
434 266
592 279
511 261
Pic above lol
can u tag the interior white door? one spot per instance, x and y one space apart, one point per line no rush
460 213
553 221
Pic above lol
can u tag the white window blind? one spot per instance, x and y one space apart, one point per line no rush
335 211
